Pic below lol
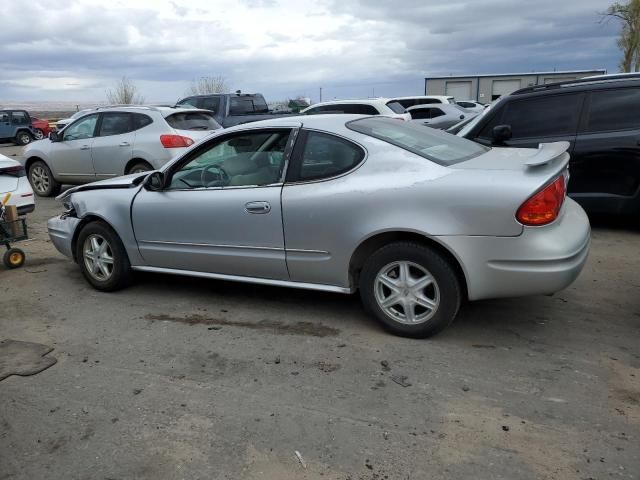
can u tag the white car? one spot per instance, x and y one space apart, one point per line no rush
13 179
472 105
407 102
440 116
111 142
373 106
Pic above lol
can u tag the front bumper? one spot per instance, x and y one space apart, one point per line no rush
543 260
61 231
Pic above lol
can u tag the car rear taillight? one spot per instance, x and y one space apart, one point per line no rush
175 141
544 207
13 171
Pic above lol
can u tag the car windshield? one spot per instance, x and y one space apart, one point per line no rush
467 128
434 145
192 121
396 107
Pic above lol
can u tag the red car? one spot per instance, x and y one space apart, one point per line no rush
40 127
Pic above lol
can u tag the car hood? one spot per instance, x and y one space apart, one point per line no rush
126 181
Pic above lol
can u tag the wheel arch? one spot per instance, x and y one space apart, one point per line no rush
133 161
34 158
378 240
84 221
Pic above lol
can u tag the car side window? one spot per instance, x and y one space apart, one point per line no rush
19 118
363 110
543 116
246 159
4 117
325 156
436 112
141 120
81 129
115 123
612 110
420 113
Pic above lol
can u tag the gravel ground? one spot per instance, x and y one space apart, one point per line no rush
180 378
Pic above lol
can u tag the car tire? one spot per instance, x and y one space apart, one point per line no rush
39 134
42 181
139 167
102 257
23 137
411 289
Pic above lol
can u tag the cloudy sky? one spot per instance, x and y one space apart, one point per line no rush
74 50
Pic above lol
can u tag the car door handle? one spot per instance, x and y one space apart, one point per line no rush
84 147
257 207
124 144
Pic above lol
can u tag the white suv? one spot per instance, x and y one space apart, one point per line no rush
113 141
373 106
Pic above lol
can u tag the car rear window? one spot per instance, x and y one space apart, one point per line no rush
192 121
437 146
396 107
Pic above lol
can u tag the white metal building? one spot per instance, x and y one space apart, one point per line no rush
486 88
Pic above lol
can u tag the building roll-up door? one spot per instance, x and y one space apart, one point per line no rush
503 87
459 90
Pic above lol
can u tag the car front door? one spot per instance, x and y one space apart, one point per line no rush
112 147
70 158
605 164
219 211
535 120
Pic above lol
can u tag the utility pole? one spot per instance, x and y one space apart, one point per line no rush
320 93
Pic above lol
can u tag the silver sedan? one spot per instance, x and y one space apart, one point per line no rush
416 219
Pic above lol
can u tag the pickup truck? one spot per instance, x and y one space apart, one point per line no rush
231 109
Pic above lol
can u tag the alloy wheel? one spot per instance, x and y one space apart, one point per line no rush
24 138
407 292
98 257
40 179
39 134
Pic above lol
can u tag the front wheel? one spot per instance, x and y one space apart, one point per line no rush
102 257
42 181
23 137
39 134
411 289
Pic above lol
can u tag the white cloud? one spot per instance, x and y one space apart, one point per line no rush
288 47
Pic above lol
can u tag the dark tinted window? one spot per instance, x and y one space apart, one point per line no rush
614 110
326 156
434 145
543 116
140 121
396 107
115 123
19 118
192 121
466 104
422 113
353 108
210 103
247 104
412 102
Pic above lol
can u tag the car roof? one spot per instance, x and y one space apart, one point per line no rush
165 111
363 101
586 83
321 122
438 97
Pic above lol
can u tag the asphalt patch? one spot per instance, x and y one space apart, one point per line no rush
23 358
271 326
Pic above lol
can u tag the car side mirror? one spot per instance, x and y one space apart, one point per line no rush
154 182
501 134
55 137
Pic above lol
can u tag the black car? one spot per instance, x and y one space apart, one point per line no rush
598 116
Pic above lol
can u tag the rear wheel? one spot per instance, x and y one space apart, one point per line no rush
23 137
140 167
411 289
42 181
13 258
102 257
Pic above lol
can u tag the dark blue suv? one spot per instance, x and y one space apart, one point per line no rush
15 126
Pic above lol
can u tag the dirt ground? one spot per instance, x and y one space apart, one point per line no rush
180 378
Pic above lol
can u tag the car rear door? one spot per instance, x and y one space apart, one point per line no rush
113 146
220 212
606 159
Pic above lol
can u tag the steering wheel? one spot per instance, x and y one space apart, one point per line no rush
221 177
